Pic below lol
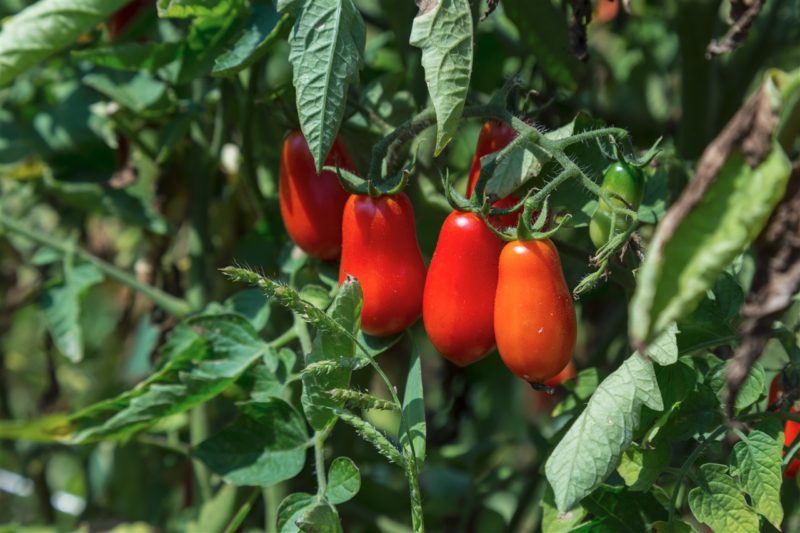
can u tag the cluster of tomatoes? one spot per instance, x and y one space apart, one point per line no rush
478 293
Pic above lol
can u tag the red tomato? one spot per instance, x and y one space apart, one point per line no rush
774 389
124 17
458 304
312 204
790 432
534 319
380 249
494 136
565 375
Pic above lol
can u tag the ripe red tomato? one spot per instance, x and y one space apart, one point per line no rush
494 136
534 319
790 432
458 304
312 204
380 249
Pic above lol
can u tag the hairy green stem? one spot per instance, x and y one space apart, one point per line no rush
171 304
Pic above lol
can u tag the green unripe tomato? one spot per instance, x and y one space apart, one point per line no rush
623 182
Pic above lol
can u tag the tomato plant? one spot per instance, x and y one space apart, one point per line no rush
220 224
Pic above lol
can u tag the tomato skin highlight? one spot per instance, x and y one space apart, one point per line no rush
458 304
625 181
534 319
312 204
380 249
494 136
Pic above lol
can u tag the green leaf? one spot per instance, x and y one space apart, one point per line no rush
640 467
140 92
61 309
664 350
758 461
344 481
554 521
620 510
696 413
681 265
321 518
262 28
413 430
195 8
580 390
345 311
291 509
46 27
750 391
266 444
375 345
252 304
131 56
522 163
719 503
592 448
443 30
326 52
203 362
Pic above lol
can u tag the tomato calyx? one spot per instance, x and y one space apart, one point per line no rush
357 185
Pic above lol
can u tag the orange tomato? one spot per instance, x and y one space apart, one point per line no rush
534 319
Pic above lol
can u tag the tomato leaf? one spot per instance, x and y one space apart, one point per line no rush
719 503
554 521
61 308
320 518
262 28
195 8
758 466
264 445
131 56
750 391
292 509
326 52
344 481
46 27
443 30
413 433
592 448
